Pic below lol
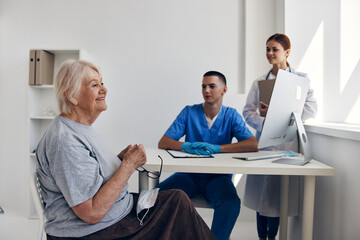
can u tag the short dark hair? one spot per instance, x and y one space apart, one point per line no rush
215 73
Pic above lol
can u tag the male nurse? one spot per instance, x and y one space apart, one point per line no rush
209 128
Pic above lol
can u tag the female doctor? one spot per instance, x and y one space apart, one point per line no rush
262 192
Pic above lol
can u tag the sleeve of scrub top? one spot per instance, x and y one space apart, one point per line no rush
250 113
239 128
178 127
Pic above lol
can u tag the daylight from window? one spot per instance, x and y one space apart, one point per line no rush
345 91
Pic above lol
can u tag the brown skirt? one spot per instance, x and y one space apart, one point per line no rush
173 217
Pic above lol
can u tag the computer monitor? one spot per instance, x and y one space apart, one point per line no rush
283 118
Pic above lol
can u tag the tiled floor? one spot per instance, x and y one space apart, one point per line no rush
17 226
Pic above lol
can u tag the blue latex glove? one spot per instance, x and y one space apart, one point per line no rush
194 149
211 148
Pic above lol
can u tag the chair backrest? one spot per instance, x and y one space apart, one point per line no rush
35 190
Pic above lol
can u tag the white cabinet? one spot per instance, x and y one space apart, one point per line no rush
43 109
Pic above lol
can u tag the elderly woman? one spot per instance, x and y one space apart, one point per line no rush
86 186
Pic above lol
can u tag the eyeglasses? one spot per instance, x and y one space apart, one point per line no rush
150 174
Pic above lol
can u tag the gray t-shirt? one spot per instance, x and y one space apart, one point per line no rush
73 164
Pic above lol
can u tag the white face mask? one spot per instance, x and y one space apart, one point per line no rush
147 199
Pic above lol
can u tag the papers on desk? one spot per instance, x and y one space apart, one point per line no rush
181 154
250 156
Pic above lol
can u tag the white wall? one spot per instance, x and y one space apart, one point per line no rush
152 55
325 38
260 25
336 214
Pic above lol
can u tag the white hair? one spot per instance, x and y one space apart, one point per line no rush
68 82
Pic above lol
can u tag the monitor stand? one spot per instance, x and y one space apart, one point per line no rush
303 144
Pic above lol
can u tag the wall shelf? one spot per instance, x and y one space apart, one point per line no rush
43 109
42 86
42 117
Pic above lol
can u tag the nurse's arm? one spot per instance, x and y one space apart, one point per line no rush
248 145
169 143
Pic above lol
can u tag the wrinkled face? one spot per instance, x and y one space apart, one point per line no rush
275 52
91 99
213 89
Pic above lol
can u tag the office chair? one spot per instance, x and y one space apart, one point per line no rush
39 203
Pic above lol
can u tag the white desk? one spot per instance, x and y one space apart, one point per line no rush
224 163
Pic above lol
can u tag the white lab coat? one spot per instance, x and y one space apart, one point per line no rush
262 192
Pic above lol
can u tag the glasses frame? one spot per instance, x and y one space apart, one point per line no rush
151 174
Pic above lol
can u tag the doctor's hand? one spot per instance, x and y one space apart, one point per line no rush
263 108
193 148
211 148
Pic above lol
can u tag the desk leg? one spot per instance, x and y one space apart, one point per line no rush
308 208
153 182
284 207
143 181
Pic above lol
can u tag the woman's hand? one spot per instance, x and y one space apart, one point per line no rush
263 109
123 152
135 156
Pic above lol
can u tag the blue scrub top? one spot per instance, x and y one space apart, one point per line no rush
191 122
